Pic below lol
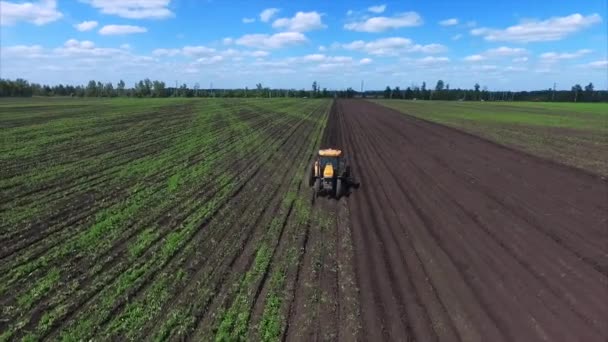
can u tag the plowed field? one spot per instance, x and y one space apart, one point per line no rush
191 219
457 238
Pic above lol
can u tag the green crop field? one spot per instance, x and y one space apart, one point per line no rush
571 133
130 219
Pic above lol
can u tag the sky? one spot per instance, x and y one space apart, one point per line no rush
503 45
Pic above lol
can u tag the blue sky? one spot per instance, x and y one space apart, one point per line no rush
516 44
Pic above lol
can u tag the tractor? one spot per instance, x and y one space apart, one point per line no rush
330 175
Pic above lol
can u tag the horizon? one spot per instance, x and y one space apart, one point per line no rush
518 46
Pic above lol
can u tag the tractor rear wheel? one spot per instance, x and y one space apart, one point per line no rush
311 178
339 188
317 186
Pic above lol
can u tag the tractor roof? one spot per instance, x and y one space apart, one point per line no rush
330 152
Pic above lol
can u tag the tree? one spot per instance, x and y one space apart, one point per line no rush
314 87
576 89
91 89
439 86
409 94
397 93
120 88
476 91
158 89
108 90
589 92
387 92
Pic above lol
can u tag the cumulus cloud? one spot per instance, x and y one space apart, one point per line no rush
365 61
274 41
431 60
86 25
449 22
321 58
209 60
133 9
301 22
248 20
554 56
505 51
73 47
380 24
110 30
600 65
38 13
166 52
551 29
377 9
392 46
457 37
474 58
268 13
520 59
22 51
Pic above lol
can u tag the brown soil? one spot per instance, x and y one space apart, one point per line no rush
458 238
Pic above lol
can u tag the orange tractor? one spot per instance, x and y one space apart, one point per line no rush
330 174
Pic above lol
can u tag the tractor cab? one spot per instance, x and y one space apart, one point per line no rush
329 173
328 163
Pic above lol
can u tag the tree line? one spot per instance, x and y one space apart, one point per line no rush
149 88
441 91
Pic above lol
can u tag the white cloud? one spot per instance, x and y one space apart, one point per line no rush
121 29
227 41
133 9
248 20
301 22
554 56
380 24
377 9
474 58
486 67
86 25
392 46
197 50
321 58
430 60
457 37
551 29
449 22
22 51
259 53
350 12
73 47
505 51
275 41
515 68
38 13
268 13
125 46
322 48
600 65
365 61
166 52
209 60
520 59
